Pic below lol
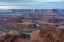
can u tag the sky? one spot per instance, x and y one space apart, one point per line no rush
31 4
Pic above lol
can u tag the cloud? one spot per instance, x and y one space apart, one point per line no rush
16 1
30 4
36 6
49 0
28 1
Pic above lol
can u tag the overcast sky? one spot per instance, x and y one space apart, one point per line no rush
31 4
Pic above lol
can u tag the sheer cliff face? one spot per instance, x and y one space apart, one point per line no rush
47 15
48 12
52 34
48 34
39 14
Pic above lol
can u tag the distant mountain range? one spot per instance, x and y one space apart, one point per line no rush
45 15
31 11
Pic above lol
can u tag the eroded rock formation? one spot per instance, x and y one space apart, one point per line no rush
10 38
48 34
52 34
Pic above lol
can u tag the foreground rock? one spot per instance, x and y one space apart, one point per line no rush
48 34
11 38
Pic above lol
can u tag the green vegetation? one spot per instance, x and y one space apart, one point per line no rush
10 27
13 28
16 29
20 31
39 26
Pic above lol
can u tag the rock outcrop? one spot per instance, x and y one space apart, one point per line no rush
10 38
52 34
48 34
